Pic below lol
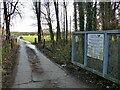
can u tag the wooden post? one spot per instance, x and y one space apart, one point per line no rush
35 41
11 43
44 43
16 40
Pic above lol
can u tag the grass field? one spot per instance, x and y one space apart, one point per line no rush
31 38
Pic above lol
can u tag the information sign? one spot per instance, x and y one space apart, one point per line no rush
95 46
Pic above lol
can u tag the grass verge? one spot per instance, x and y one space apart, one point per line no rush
8 62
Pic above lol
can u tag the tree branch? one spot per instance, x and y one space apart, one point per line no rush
13 9
45 16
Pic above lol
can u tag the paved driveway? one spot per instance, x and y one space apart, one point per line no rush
46 75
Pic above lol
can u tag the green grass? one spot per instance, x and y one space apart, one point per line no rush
31 38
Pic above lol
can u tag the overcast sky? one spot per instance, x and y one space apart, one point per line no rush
26 23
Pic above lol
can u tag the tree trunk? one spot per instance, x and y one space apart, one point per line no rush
94 26
70 28
50 24
7 22
7 16
39 24
51 32
102 14
66 27
81 15
58 35
107 16
38 14
89 16
64 22
66 34
75 16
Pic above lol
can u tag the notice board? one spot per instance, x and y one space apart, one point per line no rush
95 46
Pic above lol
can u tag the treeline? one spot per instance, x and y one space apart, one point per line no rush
23 33
88 16
28 33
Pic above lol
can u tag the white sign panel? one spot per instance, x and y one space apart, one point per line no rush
76 38
95 46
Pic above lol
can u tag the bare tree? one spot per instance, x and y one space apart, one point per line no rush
63 33
65 10
75 15
94 19
70 27
47 16
89 16
9 9
38 15
58 35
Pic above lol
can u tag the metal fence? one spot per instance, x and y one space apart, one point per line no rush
98 52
